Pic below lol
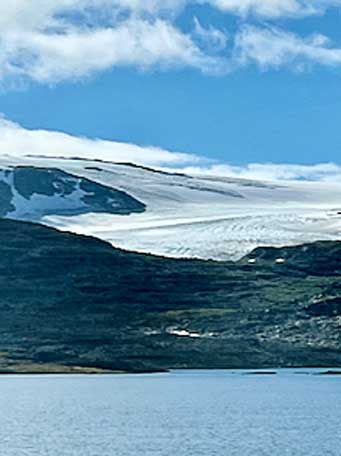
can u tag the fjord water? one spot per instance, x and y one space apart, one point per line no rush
183 413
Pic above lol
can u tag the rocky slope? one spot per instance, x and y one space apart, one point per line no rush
31 193
71 303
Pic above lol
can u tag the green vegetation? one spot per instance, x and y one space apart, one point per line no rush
71 302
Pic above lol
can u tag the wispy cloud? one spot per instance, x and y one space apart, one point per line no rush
263 8
19 142
273 47
211 37
270 8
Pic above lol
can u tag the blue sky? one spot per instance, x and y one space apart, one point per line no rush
243 82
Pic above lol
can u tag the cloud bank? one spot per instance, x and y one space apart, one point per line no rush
321 172
49 41
17 141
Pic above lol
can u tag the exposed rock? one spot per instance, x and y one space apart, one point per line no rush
32 193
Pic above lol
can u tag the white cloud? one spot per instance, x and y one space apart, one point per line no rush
266 8
51 58
49 41
43 41
153 6
20 142
273 47
328 172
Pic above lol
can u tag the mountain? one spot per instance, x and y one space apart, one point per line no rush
28 192
172 214
72 303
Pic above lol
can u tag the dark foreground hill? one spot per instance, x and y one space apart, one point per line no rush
70 302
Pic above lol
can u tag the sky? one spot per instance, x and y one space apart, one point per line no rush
242 87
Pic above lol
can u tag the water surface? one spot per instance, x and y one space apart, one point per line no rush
294 413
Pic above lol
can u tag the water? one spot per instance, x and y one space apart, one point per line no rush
182 414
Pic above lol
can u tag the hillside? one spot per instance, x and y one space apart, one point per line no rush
69 302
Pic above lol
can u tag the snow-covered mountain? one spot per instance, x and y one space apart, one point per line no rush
31 193
184 216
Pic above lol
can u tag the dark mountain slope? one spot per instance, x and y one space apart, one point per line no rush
69 300
31 193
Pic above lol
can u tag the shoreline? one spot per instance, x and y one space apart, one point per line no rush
54 369
61 369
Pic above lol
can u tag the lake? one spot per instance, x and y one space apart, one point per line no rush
183 413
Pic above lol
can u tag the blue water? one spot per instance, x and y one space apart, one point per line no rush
180 414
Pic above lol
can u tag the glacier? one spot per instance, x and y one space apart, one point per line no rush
196 216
